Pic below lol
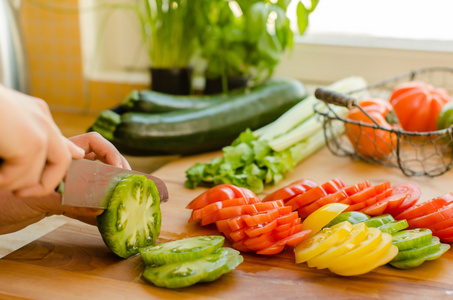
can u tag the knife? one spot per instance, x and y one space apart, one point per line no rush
90 184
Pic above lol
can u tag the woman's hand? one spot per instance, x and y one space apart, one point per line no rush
34 155
18 212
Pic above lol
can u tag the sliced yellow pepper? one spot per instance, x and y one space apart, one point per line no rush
322 241
322 216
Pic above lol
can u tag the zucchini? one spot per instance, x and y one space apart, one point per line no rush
193 131
156 102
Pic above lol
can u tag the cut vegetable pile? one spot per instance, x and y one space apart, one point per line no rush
348 229
263 157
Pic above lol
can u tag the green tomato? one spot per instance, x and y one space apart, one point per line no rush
133 218
445 118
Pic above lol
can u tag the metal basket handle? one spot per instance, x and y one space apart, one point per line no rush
336 98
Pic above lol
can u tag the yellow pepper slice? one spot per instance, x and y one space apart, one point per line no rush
358 234
322 216
322 241
382 254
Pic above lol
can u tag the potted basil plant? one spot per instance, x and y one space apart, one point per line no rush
170 30
244 40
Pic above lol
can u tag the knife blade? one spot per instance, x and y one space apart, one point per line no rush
90 183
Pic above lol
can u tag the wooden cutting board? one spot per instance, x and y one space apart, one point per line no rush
72 261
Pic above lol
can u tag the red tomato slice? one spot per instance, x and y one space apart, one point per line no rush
363 195
354 189
287 226
285 210
228 213
445 233
236 223
384 194
260 229
290 231
425 208
239 245
271 250
335 197
222 226
213 207
395 200
238 235
381 187
333 185
356 207
376 209
294 239
426 221
410 188
442 225
284 219
291 190
260 242
308 197
263 206
261 217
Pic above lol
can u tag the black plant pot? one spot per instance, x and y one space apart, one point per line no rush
214 86
175 81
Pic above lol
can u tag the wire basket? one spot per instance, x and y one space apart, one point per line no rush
414 153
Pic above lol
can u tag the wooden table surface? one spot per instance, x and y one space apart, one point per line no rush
72 262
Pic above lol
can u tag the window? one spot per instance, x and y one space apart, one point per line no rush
374 39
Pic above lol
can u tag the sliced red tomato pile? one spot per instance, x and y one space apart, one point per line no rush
251 225
374 200
435 214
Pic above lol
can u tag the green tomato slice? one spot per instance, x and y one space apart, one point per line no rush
412 238
352 217
419 252
394 227
133 218
204 269
412 263
379 220
181 250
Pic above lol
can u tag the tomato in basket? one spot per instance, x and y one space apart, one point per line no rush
418 104
371 142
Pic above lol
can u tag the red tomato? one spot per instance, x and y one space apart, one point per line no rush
213 207
288 225
291 190
260 229
410 188
442 225
294 239
446 233
417 105
371 142
222 192
271 250
261 217
290 231
363 195
376 209
354 189
237 235
425 208
437 216
306 198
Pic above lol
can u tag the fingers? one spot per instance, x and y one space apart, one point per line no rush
97 147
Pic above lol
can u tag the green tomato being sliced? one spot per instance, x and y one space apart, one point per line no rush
132 219
204 269
181 250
